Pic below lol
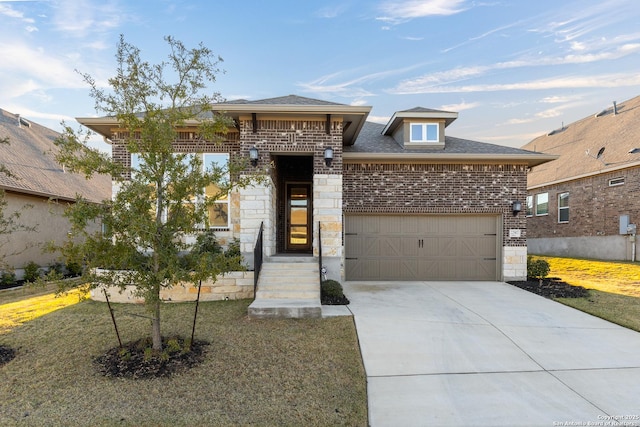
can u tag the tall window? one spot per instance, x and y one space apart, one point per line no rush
529 205
542 204
424 132
563 207
218 211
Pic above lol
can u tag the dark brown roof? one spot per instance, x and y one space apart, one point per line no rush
29 156
579 143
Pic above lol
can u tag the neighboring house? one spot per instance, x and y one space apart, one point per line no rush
41 188
585 203
401 201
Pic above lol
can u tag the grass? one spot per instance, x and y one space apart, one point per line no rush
256 372
614 288
18 306
606 276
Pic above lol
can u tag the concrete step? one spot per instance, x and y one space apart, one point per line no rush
294 294
285 308
291 259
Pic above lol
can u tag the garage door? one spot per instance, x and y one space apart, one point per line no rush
422 247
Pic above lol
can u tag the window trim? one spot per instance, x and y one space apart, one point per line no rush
612 182
537 213
561 208
424 127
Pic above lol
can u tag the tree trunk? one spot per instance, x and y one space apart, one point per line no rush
155 325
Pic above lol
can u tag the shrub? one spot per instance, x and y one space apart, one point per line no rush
31 272
8 278
74 269
331 288
207 242
537 268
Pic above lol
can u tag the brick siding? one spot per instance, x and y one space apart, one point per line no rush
594 206
437 189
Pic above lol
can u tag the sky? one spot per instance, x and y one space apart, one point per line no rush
512 69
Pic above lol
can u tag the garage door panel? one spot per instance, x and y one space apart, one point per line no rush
421 247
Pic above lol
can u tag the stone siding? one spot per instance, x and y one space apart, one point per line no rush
231 286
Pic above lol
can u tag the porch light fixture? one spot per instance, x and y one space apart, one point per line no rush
328 156
253 156
516 207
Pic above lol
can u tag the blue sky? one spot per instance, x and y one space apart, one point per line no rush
513 69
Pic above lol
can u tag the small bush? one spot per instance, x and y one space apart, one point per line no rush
331 293
31 272
331 288
8 278
537 268
74 269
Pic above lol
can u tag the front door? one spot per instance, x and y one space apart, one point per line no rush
298 211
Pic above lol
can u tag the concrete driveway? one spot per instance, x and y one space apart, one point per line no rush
490 354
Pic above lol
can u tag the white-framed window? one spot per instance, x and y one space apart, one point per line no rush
424 132
218 211
563 207
542 204
529 205
616 181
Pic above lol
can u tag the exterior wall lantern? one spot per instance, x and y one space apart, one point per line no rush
328 156
516 207
253 156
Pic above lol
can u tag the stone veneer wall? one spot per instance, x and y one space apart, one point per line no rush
327 209
416 188
231 286
257 205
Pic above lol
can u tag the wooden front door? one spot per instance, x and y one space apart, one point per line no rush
298 217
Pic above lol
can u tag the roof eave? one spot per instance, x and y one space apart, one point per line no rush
585 175
530 160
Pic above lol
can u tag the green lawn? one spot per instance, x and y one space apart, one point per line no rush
257 372
614 288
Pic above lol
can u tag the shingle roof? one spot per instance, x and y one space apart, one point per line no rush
284 100
29 156
616 133
371 140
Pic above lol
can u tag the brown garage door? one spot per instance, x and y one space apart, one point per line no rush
422 247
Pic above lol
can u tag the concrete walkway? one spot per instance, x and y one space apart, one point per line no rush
490 354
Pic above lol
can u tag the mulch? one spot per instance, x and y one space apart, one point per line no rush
136 360
6 354
334 300
552 287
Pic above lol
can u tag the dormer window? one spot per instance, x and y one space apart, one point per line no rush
424 132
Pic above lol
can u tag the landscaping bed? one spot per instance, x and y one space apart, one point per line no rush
551 287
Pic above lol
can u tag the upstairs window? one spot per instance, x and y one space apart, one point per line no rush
563 207
542 204
424 132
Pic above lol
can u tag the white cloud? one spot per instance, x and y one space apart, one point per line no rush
460 106
330 12
400 11
79 18
601 81
379 119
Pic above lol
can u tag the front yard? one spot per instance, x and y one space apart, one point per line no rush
270 372
614 288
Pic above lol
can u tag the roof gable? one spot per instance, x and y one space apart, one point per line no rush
613 134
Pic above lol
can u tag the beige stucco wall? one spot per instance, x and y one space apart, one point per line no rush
21 247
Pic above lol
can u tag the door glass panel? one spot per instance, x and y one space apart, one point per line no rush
299 216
